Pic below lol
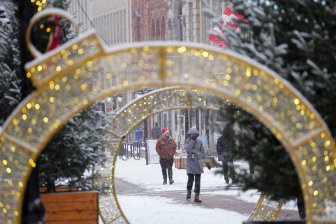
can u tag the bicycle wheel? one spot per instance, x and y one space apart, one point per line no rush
124 152
136 151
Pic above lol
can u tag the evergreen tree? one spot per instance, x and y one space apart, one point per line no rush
75 149
296 39
10 94
271 170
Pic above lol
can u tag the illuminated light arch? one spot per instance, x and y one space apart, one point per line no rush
79 73
154 102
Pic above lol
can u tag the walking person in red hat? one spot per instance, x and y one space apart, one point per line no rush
166 148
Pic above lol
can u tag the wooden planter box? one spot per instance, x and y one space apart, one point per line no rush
180 162
71 207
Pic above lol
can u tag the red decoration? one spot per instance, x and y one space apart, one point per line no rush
55 35
229 18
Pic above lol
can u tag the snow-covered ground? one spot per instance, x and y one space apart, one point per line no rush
149 209
141 209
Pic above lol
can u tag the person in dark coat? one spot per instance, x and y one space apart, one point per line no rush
225 150
195 153
166 148
156 131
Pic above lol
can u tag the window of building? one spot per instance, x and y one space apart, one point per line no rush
152 37
191 24
158 30
163 29
198 20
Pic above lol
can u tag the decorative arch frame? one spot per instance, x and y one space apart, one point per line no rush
74 76
173 98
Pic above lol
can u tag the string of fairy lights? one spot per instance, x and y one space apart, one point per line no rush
68 79
39 4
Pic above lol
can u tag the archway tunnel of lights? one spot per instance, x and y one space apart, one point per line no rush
83 71
135 112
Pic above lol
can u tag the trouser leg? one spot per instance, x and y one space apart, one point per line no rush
232 171
251 167
190 181
197 183
170 168
225 171
163 169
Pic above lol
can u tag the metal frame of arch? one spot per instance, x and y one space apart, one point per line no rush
160 100
79 73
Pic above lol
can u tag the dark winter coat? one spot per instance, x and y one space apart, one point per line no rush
156 132
225 148
166 148
195 154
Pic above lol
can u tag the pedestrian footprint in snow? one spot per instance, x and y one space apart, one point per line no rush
166 148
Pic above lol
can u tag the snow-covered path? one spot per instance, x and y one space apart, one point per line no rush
151 202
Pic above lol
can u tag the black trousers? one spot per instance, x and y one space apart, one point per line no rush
228 170
190 183
166 165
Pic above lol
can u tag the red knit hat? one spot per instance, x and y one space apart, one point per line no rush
164 131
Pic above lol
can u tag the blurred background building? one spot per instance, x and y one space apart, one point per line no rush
123 21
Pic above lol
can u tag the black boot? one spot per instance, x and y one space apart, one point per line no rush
188 195
226 180
164 181
171 181
197 200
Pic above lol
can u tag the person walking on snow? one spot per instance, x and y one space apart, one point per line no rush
166 148
194 168
156 131
225 149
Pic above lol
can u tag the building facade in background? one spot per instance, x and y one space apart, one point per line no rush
140 25
82 13
149 20
111 19
158 10
187 22
112 22
121 21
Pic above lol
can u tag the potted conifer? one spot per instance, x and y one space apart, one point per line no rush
64 164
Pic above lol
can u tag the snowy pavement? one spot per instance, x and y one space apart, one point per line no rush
144 199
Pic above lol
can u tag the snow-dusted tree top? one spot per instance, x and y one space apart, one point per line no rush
295 39
10 64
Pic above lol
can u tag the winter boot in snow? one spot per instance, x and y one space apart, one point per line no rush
171 181
226 180
188 195
197 200
164 181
